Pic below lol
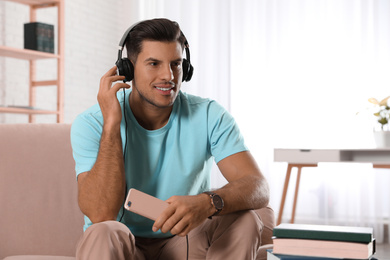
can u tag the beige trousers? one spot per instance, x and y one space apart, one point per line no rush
233 236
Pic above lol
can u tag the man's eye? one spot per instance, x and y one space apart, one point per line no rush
177 64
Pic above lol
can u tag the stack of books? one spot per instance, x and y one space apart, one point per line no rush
321 242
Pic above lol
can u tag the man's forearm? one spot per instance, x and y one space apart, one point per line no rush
247 187
249 192
102 190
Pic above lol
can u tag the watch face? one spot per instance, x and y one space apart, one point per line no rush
218 202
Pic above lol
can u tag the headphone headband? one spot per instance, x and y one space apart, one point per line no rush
126 34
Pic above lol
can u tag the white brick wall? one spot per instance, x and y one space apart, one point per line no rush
92 32
13 85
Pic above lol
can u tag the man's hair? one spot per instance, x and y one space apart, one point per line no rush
160 29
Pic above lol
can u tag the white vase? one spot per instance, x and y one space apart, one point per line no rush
382 139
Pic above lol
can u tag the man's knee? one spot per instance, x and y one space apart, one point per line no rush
108 237
112 231
108 227
250 223
246 223
234 236
248 228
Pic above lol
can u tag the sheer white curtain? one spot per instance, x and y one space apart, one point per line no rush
300 72
294 74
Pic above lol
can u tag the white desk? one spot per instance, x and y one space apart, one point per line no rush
299 158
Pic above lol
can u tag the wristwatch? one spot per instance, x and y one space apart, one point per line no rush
216 202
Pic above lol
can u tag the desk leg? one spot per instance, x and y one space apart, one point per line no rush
284 194
296 194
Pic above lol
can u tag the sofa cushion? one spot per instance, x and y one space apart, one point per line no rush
38 191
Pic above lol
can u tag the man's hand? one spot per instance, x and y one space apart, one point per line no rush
183 214
107 99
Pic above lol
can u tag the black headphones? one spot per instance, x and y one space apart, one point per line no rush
125 67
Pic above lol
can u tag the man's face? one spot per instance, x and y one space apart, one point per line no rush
158 73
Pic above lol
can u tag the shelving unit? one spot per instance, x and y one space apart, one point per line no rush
32 56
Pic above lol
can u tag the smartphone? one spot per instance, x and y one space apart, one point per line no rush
144 204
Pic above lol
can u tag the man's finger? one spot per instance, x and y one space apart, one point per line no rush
110 72
118 86
185 231
106 82
164 216
116 78
171 222
179 228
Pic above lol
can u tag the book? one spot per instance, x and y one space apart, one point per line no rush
273 256
39 37
324 232
324 248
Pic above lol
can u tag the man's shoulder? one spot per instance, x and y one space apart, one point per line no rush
90 117
203 106
92 112
193 99
197 101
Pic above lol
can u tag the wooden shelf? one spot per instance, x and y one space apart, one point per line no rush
32 56
35 2
30 111
25 54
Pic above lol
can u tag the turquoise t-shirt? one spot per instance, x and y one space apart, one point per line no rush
173 160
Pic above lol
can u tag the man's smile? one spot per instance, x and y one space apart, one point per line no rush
165 88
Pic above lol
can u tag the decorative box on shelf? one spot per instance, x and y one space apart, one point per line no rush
39 37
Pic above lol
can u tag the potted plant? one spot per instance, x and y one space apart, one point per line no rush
382 128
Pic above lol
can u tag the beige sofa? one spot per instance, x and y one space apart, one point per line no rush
39 215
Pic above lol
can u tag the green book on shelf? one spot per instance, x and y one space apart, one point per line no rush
324 232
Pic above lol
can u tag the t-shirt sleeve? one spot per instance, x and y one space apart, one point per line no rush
224 134
85 140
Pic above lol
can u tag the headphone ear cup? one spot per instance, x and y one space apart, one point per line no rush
187 70
190 72
125 68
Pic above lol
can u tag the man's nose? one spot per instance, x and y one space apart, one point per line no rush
166 73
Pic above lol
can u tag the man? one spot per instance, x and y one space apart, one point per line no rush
164 145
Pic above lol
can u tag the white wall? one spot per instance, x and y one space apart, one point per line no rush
92 33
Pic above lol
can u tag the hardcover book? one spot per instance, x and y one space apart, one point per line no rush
39 37
273 256
323 248
324 232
